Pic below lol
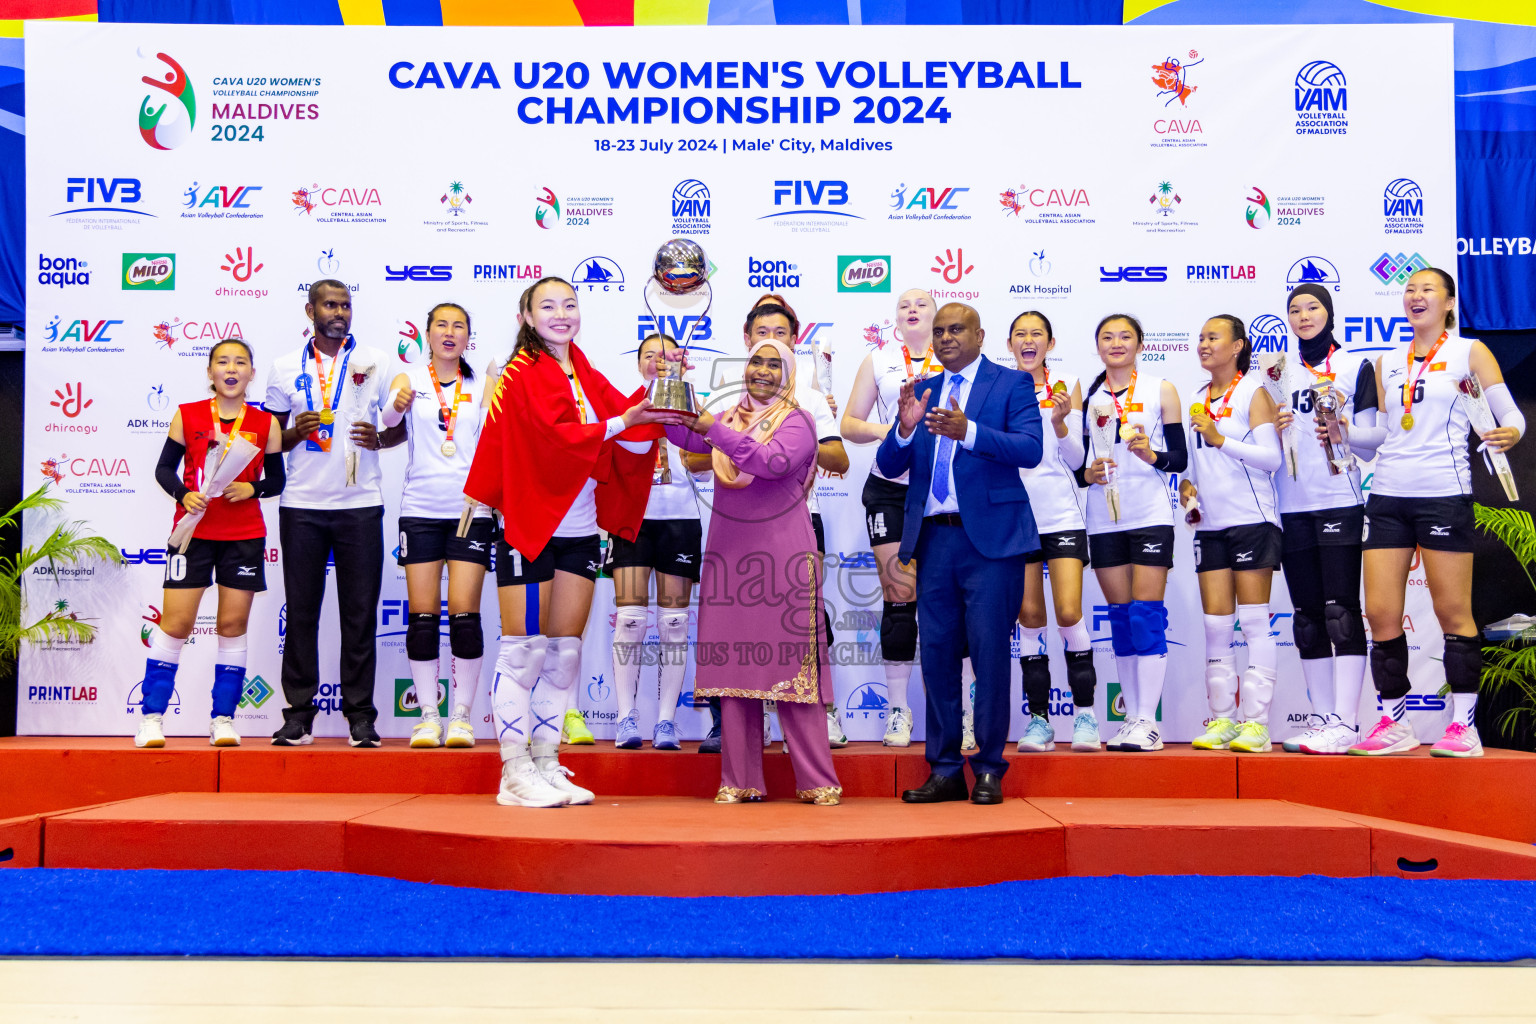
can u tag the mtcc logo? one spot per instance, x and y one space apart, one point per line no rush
868 701
159 131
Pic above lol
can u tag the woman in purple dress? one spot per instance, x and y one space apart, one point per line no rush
760 622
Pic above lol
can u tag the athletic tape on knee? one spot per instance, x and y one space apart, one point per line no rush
898 631
1346 630
421 637
1389 667
1463 662
1149 627
1311 635
1120 630
465 637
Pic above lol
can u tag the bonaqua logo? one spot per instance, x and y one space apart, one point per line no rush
158 132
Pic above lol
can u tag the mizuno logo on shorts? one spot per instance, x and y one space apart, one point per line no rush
246 570
684 559
1245 556
1152 549
1066 542
592 567
476 545
1439 531
1331 527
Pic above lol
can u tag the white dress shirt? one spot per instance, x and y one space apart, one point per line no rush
967 375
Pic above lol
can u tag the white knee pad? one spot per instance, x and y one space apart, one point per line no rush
629 625
562 661
521 659
673 626
518 664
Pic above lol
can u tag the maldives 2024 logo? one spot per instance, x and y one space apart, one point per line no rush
159 131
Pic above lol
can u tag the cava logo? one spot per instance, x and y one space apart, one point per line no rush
349 205
158 130
1178 128
863 273
1171 76
149 272
1046 205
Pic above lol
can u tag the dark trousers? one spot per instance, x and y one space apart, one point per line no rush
354 537
965 599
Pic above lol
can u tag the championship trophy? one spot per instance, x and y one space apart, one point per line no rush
1483 421
1101 432
680 269
1279 376
1325 406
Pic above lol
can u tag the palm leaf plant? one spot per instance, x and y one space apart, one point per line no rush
1512 663
68 543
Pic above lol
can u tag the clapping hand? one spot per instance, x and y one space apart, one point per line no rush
950 422
910 408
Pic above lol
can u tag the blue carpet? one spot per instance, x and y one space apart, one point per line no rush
314 914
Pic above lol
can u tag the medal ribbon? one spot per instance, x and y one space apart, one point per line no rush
1225 399
581 403
330 397
234 430
1327 371
1130 392
450 414
1414 381
906 354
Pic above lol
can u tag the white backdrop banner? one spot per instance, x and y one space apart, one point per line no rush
187 183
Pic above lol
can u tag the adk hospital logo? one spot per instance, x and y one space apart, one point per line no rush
159 130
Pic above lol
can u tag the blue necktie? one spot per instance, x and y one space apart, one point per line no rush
946 448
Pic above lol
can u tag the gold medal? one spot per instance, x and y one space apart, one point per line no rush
327 416
1196 409
1046 403
1407 421
448 448
1127 432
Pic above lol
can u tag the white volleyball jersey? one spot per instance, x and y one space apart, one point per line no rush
672 494
1231 493
890 368
1316 487
434 482
1430 460
1144 497
581 518
1054 495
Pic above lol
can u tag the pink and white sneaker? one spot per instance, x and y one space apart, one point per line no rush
1387 737
1459 741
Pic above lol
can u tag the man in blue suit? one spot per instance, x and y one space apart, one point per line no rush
969 524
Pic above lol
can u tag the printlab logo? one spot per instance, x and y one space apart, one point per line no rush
1219 272
1258 211
159 131
690 208
952 266
598 274
546 209
1396 270
1268 333
149 271
927 203
62 271
1402 205
220 201
1322 101
71 401
106 191
1046 205
1312 270
864 273
410 347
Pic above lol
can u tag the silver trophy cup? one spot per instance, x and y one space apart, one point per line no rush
680 269
1325 406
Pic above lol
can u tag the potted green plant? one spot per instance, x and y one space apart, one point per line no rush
1510 665
68 543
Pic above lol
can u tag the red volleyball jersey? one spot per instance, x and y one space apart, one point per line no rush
223 521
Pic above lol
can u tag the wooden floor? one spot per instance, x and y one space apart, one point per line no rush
301 992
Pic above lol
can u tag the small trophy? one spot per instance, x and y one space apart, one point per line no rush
1279 376
1325 406
467 516
680 269
1101 432
1482 421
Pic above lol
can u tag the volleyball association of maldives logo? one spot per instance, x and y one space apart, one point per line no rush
159 131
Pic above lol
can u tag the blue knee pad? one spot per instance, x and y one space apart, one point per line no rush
159 683
1149 627
1120 630
228 683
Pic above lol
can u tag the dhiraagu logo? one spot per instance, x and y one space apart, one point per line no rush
863 273
165 127
149 271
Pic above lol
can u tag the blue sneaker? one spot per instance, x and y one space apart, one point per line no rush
666 737
1085 731
628 737
1038 736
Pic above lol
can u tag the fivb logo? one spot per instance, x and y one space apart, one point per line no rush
863 273
157 130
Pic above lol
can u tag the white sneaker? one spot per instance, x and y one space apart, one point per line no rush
151 733
835 734
523 785
426 734
460 733
898 728
559 778
1120 734
968 731
1143 736
221 732
1336 738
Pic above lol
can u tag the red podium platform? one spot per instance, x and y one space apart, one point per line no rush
430 816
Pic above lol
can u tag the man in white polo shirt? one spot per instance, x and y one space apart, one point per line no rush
332 389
